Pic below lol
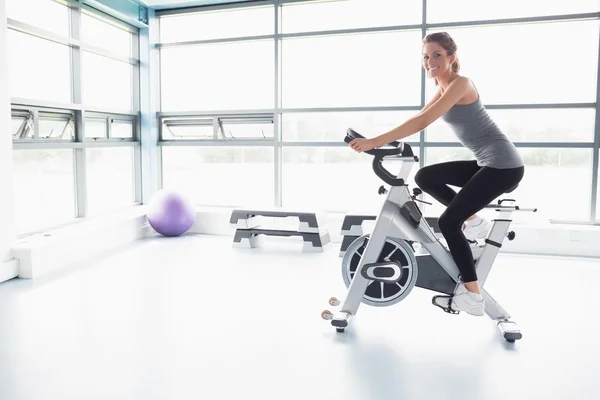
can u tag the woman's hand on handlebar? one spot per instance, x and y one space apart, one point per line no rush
361 145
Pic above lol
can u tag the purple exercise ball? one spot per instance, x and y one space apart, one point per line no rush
170 213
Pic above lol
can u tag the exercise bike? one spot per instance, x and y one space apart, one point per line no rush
380 269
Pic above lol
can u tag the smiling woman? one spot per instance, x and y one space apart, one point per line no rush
438 53
497 169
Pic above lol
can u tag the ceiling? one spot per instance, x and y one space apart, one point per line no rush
162 4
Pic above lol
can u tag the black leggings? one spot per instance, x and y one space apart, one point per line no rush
480 186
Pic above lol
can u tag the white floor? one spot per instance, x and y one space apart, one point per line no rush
193 318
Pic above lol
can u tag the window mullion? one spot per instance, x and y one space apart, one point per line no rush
79 154
36 123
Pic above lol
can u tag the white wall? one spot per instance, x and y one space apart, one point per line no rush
7 224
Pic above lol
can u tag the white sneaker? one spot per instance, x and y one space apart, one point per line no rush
478 231
476 250
462 300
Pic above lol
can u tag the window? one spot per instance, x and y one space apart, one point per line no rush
104 33
550 172
107 127
45 14
38 69
449 11
217 24
244 127
111 179
349 14
188 129
332 126
107 82
52 125
352 70
237 75
96 128
507 69
48 182
333 179
220 176
22 125
556 181
436 155
325 74
531 125
44 188
121 129
57 126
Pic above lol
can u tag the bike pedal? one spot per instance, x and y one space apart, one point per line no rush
448 309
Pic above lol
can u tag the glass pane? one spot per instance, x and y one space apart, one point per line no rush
48 15
549 169
333 179
38 69
111 182
105 35
188 129
465 10
221 176
545 170
436 155
106 82
332 126
530 63
535 125
246 130
333 15
351 70
121 129
44 188
57 127
95 128
219 76
217 24
22 127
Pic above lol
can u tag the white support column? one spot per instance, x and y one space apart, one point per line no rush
277 136
151 171
79 155
7 207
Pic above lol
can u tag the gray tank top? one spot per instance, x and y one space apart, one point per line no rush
477 131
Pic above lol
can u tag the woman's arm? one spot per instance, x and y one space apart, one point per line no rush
435 98
456 91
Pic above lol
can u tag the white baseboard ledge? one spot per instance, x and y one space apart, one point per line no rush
570 240
44 253
9 270
47 252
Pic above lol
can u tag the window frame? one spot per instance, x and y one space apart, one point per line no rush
216 122
278 111
76 109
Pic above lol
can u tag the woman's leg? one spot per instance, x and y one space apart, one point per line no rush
434 179
485 186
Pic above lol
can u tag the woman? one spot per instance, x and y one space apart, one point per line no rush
497 168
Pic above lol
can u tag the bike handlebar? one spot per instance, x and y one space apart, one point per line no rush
401 149
351 134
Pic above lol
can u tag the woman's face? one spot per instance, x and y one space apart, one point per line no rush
435 59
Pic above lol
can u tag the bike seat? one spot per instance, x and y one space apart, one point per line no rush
512 188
